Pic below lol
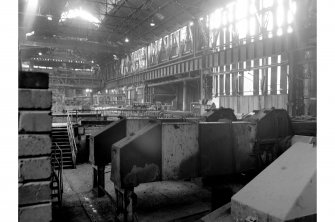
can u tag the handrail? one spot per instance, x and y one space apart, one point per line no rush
60 171
59 175
71 138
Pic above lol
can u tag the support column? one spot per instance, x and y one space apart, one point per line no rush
202 87
91 98
184 95
126 201
306 96
101 181
95 177
307 85
291 100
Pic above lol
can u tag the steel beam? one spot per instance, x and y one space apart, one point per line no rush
72 86
70 44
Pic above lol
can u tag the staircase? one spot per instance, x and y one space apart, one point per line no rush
60 136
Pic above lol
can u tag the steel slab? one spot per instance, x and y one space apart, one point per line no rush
284 191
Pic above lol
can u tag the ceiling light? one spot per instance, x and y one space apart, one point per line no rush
79 13
40 53
49 17
191 23
152 23
30 33
126 39
92 61
160 16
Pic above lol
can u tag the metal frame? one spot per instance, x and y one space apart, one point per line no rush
73 145
58 173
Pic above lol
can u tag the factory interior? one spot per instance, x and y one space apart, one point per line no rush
167 110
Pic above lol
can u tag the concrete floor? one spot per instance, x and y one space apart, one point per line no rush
158 201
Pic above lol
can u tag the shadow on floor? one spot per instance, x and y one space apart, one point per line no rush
158 201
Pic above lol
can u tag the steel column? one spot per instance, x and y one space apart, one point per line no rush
184 95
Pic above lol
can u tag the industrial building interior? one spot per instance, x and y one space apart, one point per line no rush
167 110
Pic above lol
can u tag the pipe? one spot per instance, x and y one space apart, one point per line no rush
173 81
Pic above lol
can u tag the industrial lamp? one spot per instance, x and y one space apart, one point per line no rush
152 23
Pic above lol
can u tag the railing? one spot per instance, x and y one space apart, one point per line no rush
71 138
57 165
139 112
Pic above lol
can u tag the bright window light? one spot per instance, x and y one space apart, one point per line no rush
230 12
267 3
280 13
242 28
248 85
32 6
215 19
270 21
278 75
269 76
252 8
260 77
289 18
252 28
293 6
79 13
224 18
241 9
280 32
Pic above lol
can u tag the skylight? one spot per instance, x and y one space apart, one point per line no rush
81 14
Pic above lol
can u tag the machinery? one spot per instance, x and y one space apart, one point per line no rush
273 126
181 149
101 143
214 115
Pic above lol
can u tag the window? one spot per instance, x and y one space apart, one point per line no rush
248 86
278 75
269 77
